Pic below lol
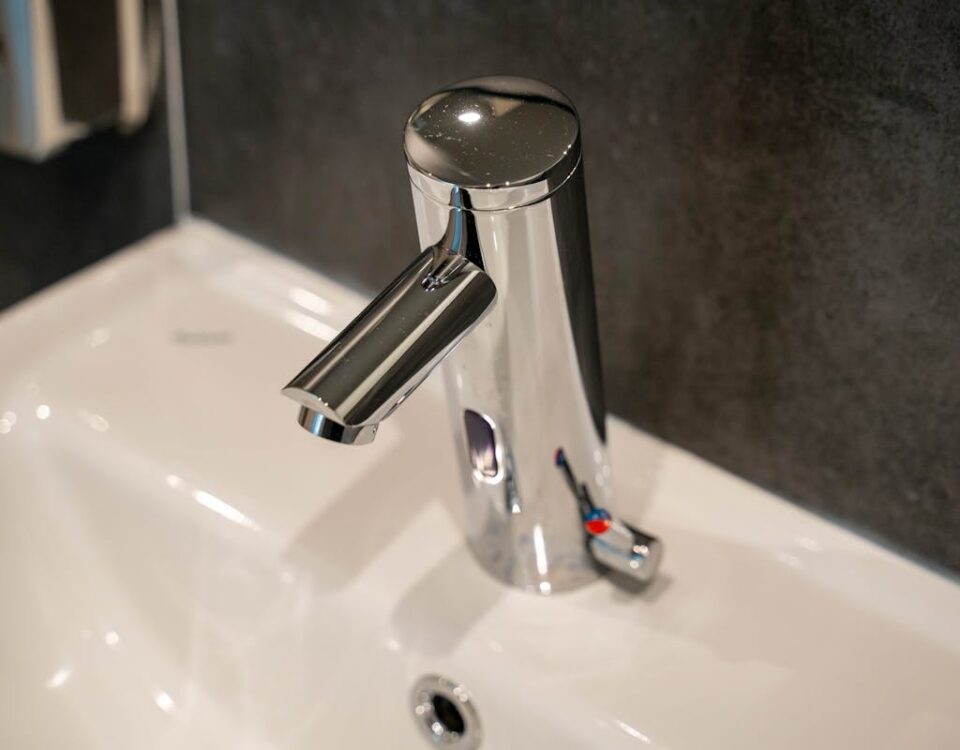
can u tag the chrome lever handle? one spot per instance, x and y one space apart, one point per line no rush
627 550
613 543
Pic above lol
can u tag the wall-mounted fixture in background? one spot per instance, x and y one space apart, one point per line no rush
69 68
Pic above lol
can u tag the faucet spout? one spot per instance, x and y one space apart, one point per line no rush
389 349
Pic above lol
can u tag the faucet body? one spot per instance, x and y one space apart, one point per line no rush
503 295
522 372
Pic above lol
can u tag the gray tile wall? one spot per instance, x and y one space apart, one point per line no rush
773 191
59 215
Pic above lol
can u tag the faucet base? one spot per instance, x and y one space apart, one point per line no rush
559 578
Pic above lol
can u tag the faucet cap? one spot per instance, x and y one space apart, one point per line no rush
492 143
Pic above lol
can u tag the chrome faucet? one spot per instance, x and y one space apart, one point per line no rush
503 295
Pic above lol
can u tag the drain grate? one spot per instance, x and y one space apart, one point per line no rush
445 714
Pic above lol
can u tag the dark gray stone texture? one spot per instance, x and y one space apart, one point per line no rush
60 215
773 190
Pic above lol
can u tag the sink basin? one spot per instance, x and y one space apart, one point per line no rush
182 566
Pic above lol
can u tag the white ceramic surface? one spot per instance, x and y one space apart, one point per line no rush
182 566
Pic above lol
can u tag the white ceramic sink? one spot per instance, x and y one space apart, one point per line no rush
182 566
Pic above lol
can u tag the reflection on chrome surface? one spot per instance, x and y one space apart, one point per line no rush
502 294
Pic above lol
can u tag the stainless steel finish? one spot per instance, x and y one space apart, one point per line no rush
483 446
387 351
431 721
612 542
498 195
504 142
628 550
321 425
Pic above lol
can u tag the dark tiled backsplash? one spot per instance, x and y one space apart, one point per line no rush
59 215
772 193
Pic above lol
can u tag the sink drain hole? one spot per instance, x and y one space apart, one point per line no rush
448 714
445 714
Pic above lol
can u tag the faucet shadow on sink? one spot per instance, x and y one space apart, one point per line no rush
440 610
356 525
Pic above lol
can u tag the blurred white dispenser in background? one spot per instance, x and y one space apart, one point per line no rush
69 67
